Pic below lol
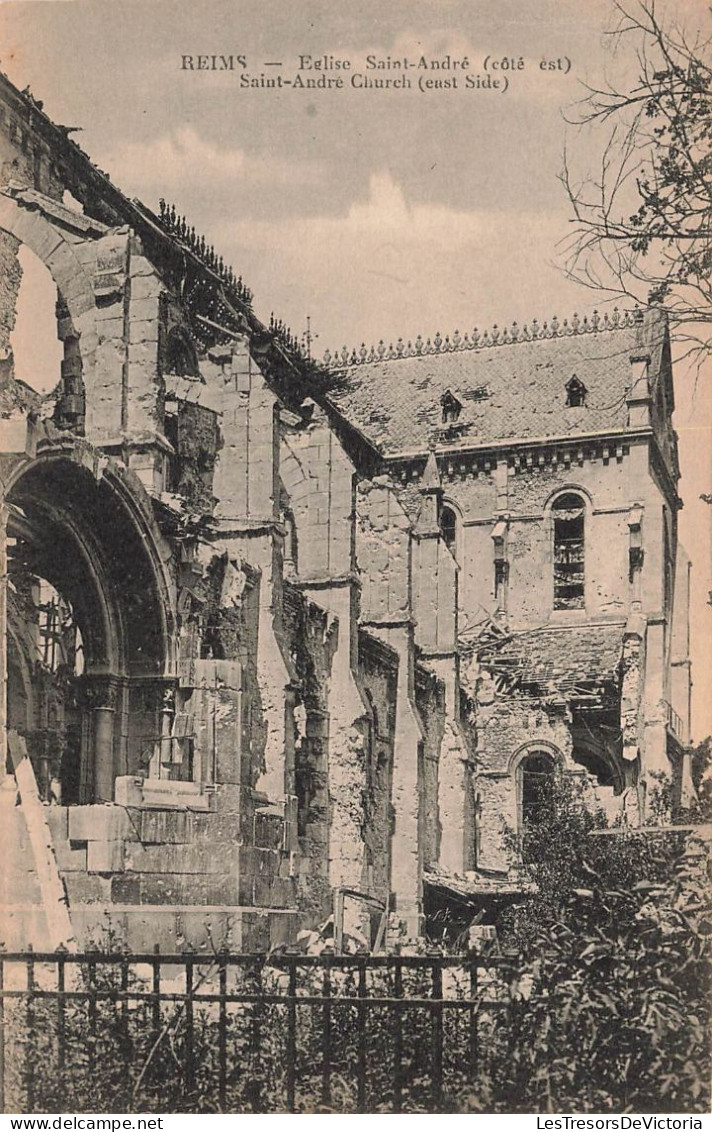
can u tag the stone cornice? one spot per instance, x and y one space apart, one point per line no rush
521 442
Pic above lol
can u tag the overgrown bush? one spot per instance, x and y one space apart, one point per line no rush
602 1005
611 1007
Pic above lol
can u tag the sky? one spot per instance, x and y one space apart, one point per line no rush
377 213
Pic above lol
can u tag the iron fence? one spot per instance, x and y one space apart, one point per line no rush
103 1031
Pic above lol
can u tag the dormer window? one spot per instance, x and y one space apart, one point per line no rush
451 407
575 393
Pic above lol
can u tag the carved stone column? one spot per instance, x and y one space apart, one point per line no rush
101 699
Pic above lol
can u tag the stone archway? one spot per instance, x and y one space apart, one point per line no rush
22 222
87 536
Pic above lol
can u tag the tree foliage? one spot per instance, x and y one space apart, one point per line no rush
613 1010
641 222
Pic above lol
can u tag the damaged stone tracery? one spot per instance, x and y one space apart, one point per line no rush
278 637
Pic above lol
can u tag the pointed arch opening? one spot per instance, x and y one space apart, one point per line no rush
89 637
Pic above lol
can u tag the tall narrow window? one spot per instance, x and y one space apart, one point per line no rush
568 515
448 527
536 800
536 788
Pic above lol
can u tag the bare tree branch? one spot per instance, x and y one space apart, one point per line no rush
641 228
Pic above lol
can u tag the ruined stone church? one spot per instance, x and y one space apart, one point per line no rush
284 639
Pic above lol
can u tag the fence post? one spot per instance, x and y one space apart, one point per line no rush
437 1036
473 1016
61 1014
256 1037
362 1063
30 1021
126 1023
91 979
292 1035
222 1036
189 1031
398 1038
326 1044
156 991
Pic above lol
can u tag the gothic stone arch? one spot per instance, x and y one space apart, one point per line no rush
86 531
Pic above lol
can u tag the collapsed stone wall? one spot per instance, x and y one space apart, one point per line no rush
311 633
430 699
379 672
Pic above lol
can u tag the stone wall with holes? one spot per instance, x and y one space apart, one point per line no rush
521 489
378 669
508 723
312 636
612 476
26 158
430 698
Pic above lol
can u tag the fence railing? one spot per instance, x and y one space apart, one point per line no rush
227 1033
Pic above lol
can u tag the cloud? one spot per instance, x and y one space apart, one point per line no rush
392 267
192 163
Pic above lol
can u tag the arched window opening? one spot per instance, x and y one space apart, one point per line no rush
536 797
448 527
90 619
569 515
37 352
43 689
537 780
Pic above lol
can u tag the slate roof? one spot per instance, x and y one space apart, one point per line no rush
507 391
556 661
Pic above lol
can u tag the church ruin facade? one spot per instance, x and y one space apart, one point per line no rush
281 637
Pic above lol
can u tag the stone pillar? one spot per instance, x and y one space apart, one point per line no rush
246 485
435 611
102 697
406 794
346 749
162 753
636 556
455 801
322 496
106 383
638 401
655 761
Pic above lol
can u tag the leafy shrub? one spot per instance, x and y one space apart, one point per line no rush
611 1008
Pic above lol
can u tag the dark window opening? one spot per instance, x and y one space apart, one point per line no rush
568 512
536 772
451 408
575 393
448 527
291 550
595 764
180 358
